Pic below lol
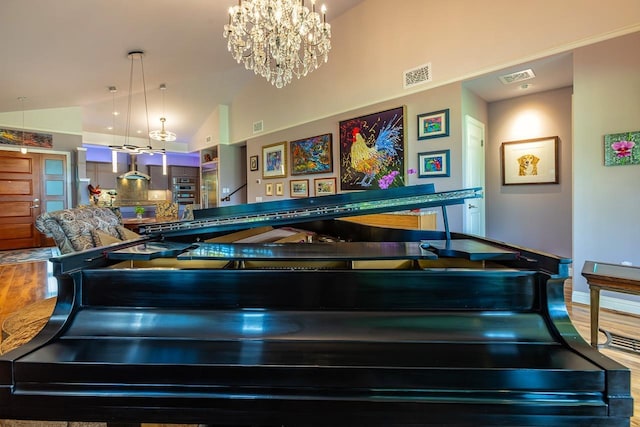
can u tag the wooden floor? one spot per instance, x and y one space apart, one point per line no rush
28 282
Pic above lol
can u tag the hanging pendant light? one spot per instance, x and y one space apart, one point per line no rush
129 147
114 153
23 148
162 134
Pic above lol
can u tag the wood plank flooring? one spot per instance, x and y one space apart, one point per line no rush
24 283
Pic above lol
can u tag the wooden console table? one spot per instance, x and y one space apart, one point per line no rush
134 224
608 277
408 220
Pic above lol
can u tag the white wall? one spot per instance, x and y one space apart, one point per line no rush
606 199
374 42
535 216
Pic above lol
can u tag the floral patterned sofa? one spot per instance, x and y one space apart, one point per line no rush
81 228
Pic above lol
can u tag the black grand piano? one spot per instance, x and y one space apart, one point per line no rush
202 322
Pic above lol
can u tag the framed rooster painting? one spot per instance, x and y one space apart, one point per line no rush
372 151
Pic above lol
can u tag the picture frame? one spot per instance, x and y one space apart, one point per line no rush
530 161
268 189
372 151
434 164
279 189
299 188
253 163
433 125
312 155
274 160
622 149
324 186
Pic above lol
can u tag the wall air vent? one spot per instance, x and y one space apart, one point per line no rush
518 76
258 126
417 76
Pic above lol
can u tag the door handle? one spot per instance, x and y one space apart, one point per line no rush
36 204
472 206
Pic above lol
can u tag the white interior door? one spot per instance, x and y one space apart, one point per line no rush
473 176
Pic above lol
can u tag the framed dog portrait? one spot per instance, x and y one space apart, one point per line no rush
530 161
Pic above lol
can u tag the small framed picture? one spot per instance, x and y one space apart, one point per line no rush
433 164
622 149
253 163
299 187
274 160
324 186
530 161
433 125
268 189
279 189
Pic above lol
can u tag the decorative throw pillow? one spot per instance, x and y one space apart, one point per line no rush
101 238
126 234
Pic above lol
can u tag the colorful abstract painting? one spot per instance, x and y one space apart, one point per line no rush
312 155
622 149
27 139
372 152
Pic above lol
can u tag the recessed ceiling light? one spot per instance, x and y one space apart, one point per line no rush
116 113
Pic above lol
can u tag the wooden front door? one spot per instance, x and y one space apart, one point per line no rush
30 184
19 199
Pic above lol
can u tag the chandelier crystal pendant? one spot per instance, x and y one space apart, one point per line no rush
278 39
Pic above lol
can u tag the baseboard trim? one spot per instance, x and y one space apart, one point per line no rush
617 304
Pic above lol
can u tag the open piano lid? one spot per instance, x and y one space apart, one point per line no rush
314 208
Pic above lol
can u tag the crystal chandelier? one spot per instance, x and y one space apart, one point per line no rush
278 39
128 147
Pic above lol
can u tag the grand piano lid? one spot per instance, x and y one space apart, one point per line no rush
313 208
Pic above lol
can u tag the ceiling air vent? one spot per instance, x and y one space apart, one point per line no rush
417 76
518 76
258 126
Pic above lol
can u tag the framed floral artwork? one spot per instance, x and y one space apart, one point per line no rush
279 189
312 155
433 125
434 164
299 188
268 189
274 160
622 149
530 161
324 186
372 151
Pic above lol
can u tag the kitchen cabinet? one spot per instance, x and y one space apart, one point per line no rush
184 171
158 181
101 174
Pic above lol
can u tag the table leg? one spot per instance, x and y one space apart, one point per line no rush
595 311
